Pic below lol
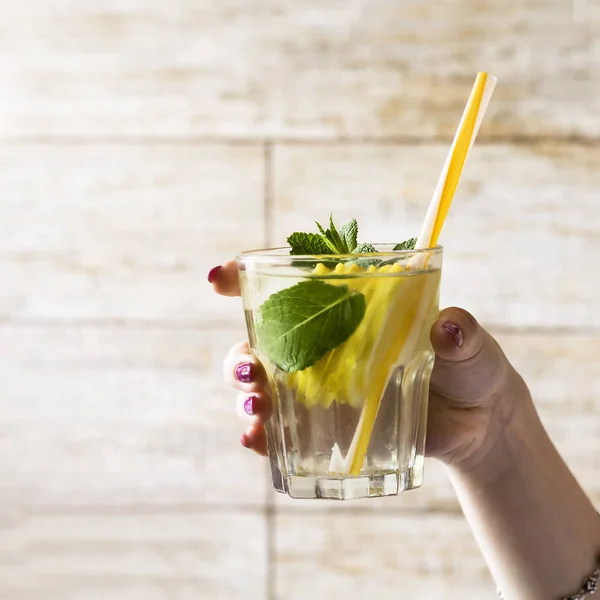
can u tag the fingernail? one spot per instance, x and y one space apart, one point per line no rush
212 274
244 441
455 331
250 405
243 373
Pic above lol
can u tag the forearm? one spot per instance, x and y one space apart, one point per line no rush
537 530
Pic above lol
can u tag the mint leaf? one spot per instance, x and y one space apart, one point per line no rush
332 238
327 239
349 233
307 243
406 245
299 325
336 238
365 249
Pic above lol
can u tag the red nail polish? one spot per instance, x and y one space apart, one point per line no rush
212 274
243 373
244 441
250 405
455 331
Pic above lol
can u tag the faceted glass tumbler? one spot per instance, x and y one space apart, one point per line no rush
345 343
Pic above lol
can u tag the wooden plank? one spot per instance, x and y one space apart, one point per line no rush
113 417
563 374
520 237
378 555
294 69
125 232
137 555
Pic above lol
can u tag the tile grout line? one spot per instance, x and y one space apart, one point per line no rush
270 520
223 140
225 508
271 526
268 194
191 326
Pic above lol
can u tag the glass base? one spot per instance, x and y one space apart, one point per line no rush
350 488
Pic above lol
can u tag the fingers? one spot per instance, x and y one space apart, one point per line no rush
243 371
255 439
255 408
470 366
224 279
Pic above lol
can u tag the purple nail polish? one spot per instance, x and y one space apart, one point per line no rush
455 331
212 274
250 405
243 373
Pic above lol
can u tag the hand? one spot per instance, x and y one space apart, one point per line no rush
475 393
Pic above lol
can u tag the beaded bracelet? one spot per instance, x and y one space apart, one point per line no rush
590 586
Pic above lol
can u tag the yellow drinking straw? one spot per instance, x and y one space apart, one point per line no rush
436 214
464 138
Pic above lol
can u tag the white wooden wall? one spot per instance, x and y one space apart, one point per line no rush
143 142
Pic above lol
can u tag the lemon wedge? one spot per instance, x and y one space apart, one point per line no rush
360 367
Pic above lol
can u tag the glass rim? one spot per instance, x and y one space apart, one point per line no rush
277 254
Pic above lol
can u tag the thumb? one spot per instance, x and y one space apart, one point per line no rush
470 367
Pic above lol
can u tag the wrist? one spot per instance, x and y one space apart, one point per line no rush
537 529
513 426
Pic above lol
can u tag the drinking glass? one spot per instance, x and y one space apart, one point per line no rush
345 343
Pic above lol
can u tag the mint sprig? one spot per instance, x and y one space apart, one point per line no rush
299 325
332 241
327 241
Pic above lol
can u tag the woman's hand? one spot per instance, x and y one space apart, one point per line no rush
243 371
474 391
536 527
